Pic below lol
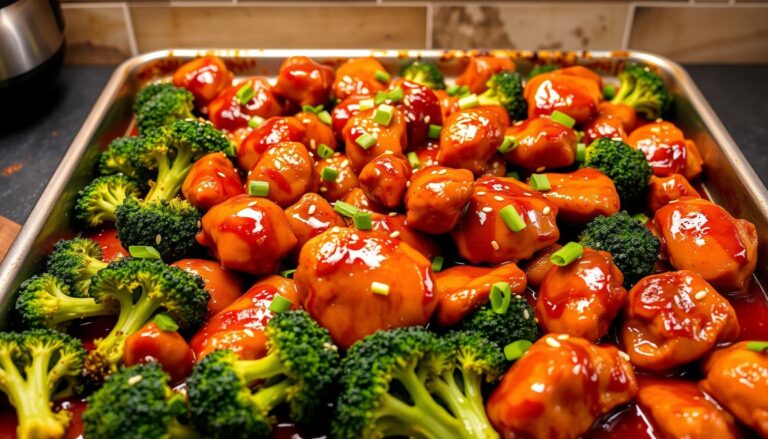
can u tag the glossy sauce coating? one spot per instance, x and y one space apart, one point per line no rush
703 237
227 113
212 179
288 169
582 195
667 150
384 180
303 81
436 198
569 91
674 318
421 109
345 181
310 216
542 144
317 132
358 77
662 190
559 387
357 198
204 77
612 120
109 243
469 138
334 277
480 69
343 111
464 288
582 298
224 286
272 131
167 348
248 234
391 138
537 268
396 226
482 236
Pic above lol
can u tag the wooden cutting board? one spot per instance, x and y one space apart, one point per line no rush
8 232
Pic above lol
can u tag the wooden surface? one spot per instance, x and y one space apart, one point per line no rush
8 232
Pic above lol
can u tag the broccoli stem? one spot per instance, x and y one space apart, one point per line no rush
170 178
74 308
132 318
269 397
400 419
263 368
176 430
466 405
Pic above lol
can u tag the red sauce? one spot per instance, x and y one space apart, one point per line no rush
752 311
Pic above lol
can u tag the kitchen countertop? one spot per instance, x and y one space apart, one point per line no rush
35 135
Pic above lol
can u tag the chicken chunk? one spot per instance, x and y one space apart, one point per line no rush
436 198
366 139
212 179
480 69
469 138
230 110
384 180
582 195
667 150
272 131
421 109
303 81
204 77
542 144
358 77
288 169
575 91
311 216
662 190
612 120
346 179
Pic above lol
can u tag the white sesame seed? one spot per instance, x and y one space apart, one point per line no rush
221 174
136 379
624 355
553 343
408 183
480 193
563 337
498 198
330 347
344 164
394 234
442 172
495 245
546 210
427 119
311 209
199 224
540 168
253 203
700 295
323 189
158 238
312 144
248 332
406 101
526 314
487 209
392 213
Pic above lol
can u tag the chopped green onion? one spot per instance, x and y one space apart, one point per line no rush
563 119
641 217
345 209
380 97
516 349
255 121
245 94
383 114
258 188
581 152
311 109
396 94
362 221
381 76
280 304
365 140
288 273
437 264
143 252
513 174
469 101
609 91
165 323
329 174
324 151
758 346
457 90
413 159
434 131
380 288
579 135
509 143
325 117
569 253
540 182
512 219
366 104
501 297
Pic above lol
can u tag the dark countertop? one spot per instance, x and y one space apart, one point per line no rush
35 135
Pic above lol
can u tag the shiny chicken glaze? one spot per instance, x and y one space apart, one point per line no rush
542 144
667 150
663 190
385 180
311 216
391 138
346 179
469 138
582 195
436 198
204 77
289 170
223 285
480 70
574 91
303 81
212 180
271 132
228 113
358 77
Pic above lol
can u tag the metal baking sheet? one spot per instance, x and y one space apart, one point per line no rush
728 178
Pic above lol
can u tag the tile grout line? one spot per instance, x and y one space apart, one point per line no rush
430 24
628 26
132 43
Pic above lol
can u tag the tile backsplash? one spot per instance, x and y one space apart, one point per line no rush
692 31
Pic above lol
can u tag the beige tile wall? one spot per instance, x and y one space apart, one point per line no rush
684 30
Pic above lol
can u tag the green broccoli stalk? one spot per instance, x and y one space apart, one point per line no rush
140 288
136 402
300 368
644 90
633 247
44 302
626 166
516 323
474 360
506 89
542 68
97 202
76 261
33 366
164 106
120 158
384 390
423 73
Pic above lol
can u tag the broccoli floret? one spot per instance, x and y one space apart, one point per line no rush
461 363
120 158
424 73
632 245
97 202
626 166
542 68
168 226
166 105
644 90
148 92
517 323
299 369
76 261
140 288
44 302
506 89
34 366
136 402
384 389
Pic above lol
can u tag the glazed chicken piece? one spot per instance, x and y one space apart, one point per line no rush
678 409
537 268
421 109
248 234
582 195
344 111
288 169
311 216
559 387
575 91
582 298
703 237
674 318
667 150
495 167
204 77
211 180
464 288
395 225
224 286
357 198
355 282
303 81
469 138
737 378
436 198
317 133
272 131
232 109
612 120
662 190
542 144
480 70
366 139
482 236
150 344
427 154
358 77
345 181
384 180
448 104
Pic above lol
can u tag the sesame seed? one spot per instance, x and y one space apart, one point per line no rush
199 224
253 203
700 295
546 210
480 193
553 343
495 245
323 189
344 164
136 379
408 183
394 234
526 314
540 168
312 144
311 209
563 337
427 119
406 101
248 332
158 238
330 347
487 209
221 174
392 213
624 355
498 198
442 172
